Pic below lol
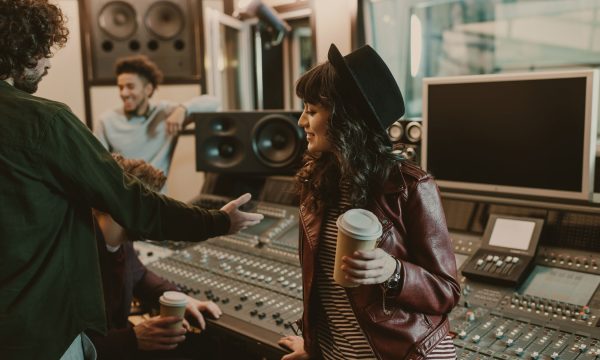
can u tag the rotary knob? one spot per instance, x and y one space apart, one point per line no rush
470 316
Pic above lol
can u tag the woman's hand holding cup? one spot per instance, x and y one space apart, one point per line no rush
368 267
358 232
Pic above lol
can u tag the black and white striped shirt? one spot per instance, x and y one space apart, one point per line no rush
338 332
443 351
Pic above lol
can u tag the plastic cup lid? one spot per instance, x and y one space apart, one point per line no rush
173 298
360 224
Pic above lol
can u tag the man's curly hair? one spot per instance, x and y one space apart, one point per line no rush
29 29
140 65
150 176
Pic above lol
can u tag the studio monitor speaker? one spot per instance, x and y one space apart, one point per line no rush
258 142
167 31
406 138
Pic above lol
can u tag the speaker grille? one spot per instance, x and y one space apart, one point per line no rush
223 151
163 30
258 142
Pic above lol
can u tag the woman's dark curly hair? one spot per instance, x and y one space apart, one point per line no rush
361 156
142 66
28 31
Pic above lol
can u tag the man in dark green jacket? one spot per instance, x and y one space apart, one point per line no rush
52 172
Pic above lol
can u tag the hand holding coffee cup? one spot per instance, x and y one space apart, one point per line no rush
358 230
172 303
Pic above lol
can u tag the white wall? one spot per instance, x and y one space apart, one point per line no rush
64 81
333 25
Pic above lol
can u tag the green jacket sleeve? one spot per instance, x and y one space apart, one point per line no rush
86 173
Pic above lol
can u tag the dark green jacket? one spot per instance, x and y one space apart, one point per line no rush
52 172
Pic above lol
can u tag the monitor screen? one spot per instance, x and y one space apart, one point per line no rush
563 285
512 234
529 134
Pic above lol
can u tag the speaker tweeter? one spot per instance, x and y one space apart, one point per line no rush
406 138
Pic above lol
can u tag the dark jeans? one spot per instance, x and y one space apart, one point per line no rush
195 347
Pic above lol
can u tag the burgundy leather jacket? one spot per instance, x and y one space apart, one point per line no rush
415 232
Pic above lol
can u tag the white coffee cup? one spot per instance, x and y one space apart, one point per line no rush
172 303
358 229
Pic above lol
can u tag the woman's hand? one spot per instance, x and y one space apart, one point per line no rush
369 267
296 344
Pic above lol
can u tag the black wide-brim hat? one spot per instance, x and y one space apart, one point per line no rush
368 82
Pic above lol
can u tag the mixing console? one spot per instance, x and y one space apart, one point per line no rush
552 315
254 289
255 277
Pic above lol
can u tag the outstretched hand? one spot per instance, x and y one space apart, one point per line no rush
240 219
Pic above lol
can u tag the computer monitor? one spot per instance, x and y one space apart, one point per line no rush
522 134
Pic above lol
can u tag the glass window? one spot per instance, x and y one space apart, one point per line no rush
450 37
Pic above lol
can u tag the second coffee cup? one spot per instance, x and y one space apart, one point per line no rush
172 303
358 229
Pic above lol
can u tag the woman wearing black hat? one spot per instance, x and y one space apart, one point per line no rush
407 285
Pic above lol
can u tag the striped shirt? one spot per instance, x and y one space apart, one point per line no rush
443 351
338 332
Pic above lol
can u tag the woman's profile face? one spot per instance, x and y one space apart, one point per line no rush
314 120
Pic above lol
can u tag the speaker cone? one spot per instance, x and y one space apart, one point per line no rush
395 131
117 20
223 151
276 140
413 131
222 125
164 19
